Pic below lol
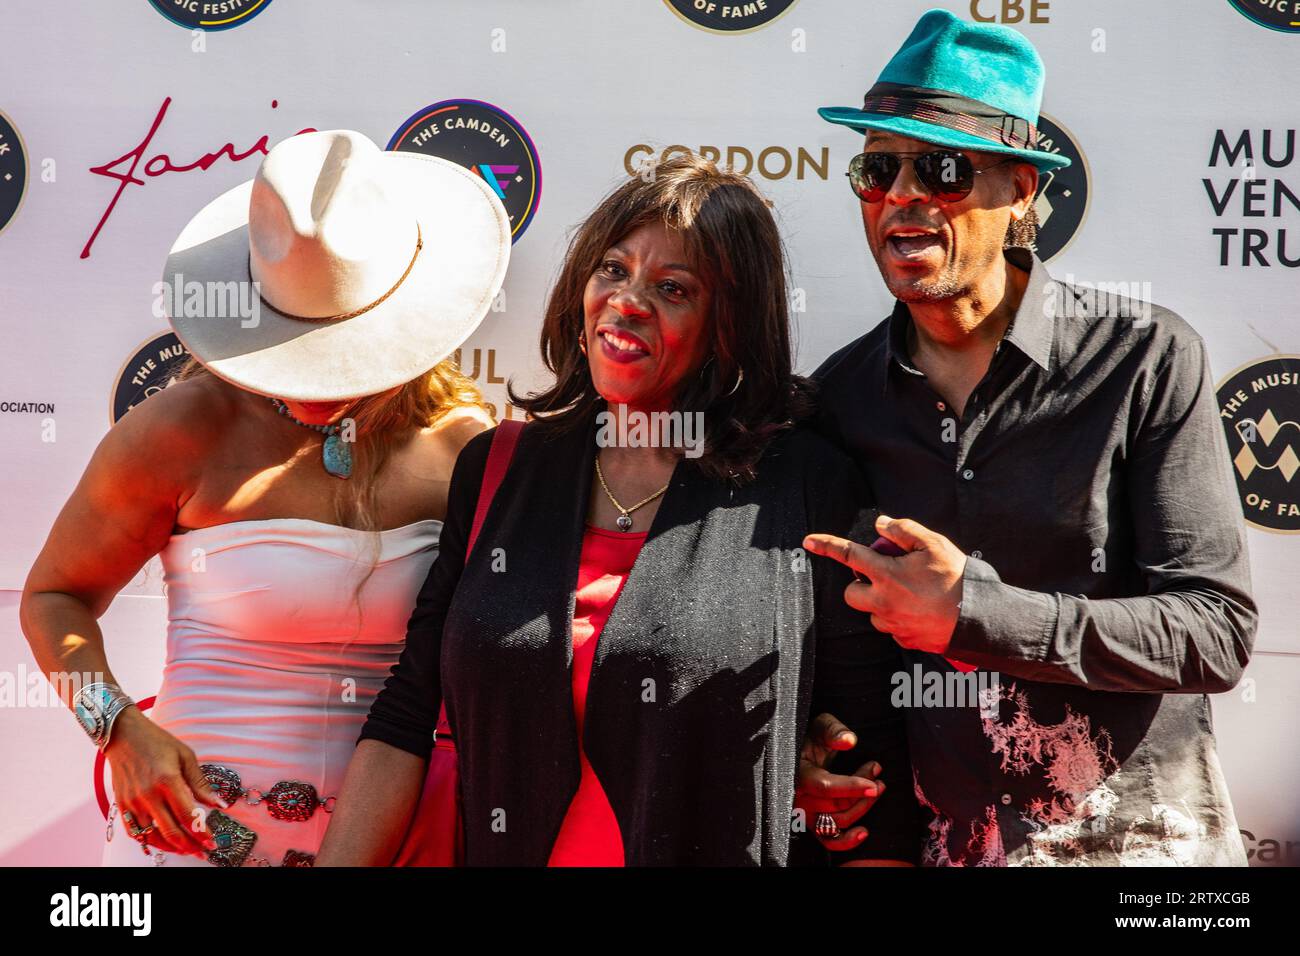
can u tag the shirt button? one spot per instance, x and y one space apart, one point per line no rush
968 474
1006 799
977 554
941 406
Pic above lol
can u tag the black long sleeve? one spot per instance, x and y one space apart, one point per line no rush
1193 630
405 713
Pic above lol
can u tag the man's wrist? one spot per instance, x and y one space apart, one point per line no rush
998 621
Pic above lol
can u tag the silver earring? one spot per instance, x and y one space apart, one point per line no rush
739 378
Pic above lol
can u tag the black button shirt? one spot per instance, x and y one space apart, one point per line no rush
1106 589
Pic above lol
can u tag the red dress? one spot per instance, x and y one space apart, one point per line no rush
590 835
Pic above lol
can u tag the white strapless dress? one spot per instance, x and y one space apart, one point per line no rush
271 664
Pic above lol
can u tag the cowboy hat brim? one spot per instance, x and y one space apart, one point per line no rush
466 238
939 135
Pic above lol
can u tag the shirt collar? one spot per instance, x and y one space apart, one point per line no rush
1032 328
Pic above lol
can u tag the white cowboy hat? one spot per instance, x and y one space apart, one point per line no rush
371 267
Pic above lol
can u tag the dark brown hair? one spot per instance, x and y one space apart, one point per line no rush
733 243
1023 232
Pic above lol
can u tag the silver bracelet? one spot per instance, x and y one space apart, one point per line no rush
97 707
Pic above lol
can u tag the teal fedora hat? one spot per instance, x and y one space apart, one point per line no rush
972 86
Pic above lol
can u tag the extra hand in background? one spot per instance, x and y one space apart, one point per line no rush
846 798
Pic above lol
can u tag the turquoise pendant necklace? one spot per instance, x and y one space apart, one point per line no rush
336 454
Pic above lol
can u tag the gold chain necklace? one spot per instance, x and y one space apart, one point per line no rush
624 520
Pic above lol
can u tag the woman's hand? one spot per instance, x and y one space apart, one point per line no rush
845 798
157 781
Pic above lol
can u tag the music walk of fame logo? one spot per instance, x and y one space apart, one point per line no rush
486 140
1063 194
1281 15
209 15
738 17
1259 404
147 372
13 171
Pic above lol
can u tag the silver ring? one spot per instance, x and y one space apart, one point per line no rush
136 832
826 827
141 836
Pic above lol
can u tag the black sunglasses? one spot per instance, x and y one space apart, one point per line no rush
948 175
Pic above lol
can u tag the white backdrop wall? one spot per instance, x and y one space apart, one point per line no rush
117 122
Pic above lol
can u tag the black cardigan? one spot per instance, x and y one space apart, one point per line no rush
703 677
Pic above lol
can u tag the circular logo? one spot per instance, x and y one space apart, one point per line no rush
13 171
741 17
148 371
1063 194
1281 15
485 140
1259 405
209 14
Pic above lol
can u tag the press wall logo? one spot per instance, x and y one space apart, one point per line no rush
1281 15
1259 404
123 170
13 171
486 140
1063 194
147 372
77 908
730 17
769 162
1251 168
209 14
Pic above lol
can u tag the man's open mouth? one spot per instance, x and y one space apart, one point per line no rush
911 243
